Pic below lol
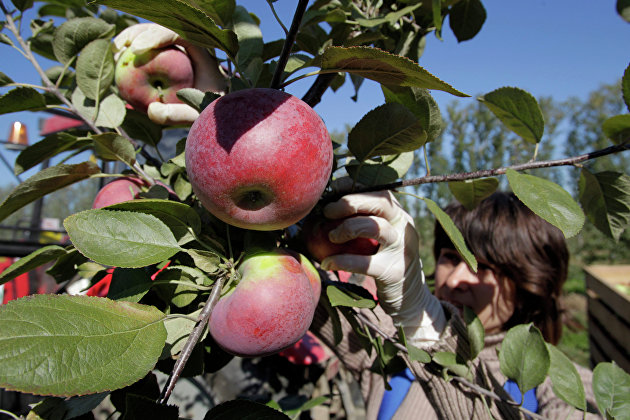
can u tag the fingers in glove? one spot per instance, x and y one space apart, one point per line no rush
208 77
379 203
171 114
364 227
348 262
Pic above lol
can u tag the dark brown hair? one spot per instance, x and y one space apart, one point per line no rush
525 249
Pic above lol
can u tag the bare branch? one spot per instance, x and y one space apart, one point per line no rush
288 43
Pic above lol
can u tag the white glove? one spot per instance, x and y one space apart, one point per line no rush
396 266
208 78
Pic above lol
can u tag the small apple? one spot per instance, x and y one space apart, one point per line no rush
259 158
270 309
319 246
153 76
118 191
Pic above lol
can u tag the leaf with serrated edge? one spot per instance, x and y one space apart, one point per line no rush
178 329
74 34
32 261
605 198
74 345
111 112
386 130
112 146
524 357
548 200
340 297
453 233
121 238
472 192
46 148
44 182
518 110
376 173
21 99
611 386
565 380
186 20
380 66
95 68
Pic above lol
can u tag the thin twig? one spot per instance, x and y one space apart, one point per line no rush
288 43
321 84
193 338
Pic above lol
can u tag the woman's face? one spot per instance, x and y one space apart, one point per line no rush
489 296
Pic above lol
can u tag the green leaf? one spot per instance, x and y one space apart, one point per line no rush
66 266
453 233
139 127
141 407
548 200
346 294
466 19
421 104
129 284
22 5
386 130
95 68
57 408
112 146
111 112
48 147
207 261
386 170
380 66
179 217
473 191
21 99
476 332
444 358
617 128
32 261
182 17
611 386
4 79
524 357
518 110
44 182
413 352
625 80
121 238
180 295
177 331
71 345
605 197
74 34
244 410
250 39
391 17
623 8
196 98
221 11
565 379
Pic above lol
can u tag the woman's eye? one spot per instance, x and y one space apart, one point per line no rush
482 266
451 257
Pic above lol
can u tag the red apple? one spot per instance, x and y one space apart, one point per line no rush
117 191
153 76
270 308
319 245
259 158
313 276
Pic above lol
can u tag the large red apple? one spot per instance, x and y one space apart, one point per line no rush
153 76
259 158
319 246
270 308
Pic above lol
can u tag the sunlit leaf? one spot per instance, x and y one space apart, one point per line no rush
611 386
617 128
391 17
112 146
121 238
30 262
453 233
518 110
346 294
472 192
524 357
548 200
95 68
386 170
386 130
21 99
111 112
71 345
420 102
476 332
380 66
74 34
605 197
48 147
44 182
565 380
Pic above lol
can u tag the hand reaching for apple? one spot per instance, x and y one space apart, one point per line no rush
396 266
149 40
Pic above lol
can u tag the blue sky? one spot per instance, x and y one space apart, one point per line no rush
557 48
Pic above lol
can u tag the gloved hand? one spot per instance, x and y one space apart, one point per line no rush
208 78
396 266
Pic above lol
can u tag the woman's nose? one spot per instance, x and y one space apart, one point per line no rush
461 277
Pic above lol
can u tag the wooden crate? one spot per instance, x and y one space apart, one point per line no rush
609 313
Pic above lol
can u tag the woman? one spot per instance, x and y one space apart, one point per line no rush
522 266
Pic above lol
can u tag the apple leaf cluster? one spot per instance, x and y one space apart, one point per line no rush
170 262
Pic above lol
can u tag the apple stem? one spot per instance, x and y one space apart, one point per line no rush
288 43
193 338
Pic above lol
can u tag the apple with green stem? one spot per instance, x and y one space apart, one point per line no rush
270 309
319 246
153 76
259 158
